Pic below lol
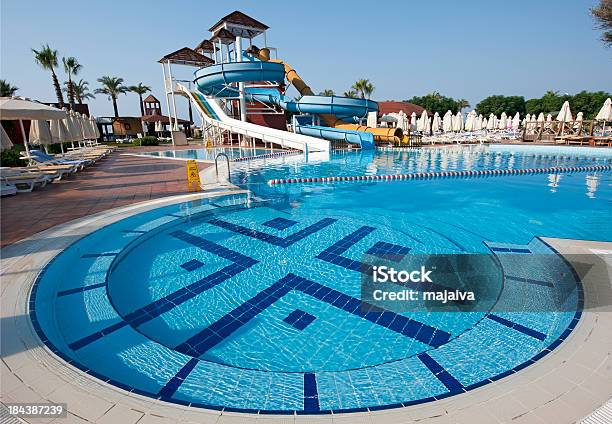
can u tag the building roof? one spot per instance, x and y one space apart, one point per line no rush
224 35
239 18
205 46
187 56
163 118
151 98
395 107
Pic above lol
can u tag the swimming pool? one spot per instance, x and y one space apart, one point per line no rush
251 302
208 153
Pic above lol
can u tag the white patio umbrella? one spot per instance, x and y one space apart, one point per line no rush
69 128
59 132
578 122
484 124
74 128
20 109
94 127
413 121
605 113
503 121
40 133
516 121
5 141
470 124
479 122
458 122
565 114
424 122
436 124
90 128
491 124
541 117
447 121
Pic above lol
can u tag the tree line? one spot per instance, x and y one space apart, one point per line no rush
587 102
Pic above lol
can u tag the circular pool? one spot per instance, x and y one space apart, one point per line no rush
252 302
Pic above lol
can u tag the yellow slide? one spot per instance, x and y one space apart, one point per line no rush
380 134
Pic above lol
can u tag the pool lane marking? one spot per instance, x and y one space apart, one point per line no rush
80 289
97 255
146 313
450 382
518 327
209 337
311 393
270 238
530 281
175 382
441 174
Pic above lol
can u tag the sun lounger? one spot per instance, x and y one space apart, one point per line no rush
7 189
24 182
42 158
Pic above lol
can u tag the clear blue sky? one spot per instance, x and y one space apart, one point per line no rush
468 49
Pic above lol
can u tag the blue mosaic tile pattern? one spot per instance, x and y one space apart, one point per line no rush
517 327
317 391
299 319
280 223
389 251
272 239
192 265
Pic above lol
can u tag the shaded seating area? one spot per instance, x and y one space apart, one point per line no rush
47 125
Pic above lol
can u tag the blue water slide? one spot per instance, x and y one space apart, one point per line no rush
217 80
319 105
304 126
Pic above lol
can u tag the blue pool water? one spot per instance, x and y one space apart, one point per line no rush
251 302
209 153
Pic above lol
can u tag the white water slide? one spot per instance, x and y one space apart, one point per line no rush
213 114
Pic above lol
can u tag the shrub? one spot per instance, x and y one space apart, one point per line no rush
10 157
147 140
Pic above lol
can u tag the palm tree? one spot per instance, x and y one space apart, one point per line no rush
327 92
6 89
112 87
350 93
140 89
46 57
368 89
80 90
364 88
462 104
72 67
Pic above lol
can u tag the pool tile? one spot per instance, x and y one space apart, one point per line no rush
280 223
299 319
192 265
390 251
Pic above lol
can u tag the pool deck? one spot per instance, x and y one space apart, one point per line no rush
115 181
563 387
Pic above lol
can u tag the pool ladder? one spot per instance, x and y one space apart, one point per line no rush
229 176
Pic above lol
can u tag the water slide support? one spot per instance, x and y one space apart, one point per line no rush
243 112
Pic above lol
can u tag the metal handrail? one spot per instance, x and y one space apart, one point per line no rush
229 176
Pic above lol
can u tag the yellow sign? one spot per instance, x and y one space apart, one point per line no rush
193 176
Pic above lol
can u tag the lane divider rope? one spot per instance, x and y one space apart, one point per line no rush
268 155
442 174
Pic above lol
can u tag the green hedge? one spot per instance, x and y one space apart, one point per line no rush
148 140
10 157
